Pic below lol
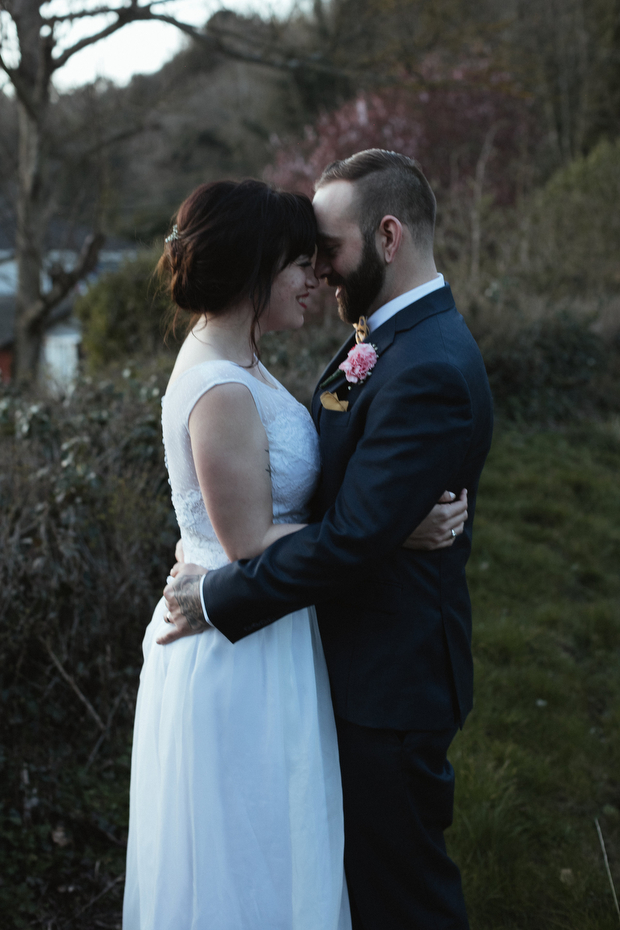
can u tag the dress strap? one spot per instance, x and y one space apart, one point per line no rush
184 394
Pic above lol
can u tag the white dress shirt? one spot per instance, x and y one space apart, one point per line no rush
404 300
202 601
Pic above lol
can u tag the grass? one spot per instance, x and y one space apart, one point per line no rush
539 757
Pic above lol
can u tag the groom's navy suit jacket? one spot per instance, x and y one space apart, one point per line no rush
395 623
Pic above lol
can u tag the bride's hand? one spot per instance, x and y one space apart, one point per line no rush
187 568
443 524
178 552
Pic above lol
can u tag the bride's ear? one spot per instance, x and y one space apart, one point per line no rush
390 236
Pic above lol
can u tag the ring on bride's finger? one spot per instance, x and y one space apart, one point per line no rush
168 617
453 534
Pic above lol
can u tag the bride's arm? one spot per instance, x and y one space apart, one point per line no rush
231 456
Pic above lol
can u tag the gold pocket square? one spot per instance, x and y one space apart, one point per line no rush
331 402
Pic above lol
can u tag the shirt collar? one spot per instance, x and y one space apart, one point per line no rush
404 300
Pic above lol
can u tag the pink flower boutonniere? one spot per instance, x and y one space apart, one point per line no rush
359 362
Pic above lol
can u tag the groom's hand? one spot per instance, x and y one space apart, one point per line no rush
443 524
183 606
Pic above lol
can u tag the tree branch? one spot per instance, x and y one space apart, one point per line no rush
120 137
476 229
119 697
125 15
97 11
214 41
63 281
21 88
288 61
18 84
108 887
70 681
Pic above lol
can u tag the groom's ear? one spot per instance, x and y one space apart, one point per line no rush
390 237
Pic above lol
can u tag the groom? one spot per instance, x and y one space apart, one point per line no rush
395 624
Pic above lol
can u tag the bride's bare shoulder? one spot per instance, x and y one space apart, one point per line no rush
191 354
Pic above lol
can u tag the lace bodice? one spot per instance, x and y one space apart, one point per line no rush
293 453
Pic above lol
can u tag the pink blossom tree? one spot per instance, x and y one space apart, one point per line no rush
472 132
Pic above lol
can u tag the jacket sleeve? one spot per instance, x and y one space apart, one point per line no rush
417 432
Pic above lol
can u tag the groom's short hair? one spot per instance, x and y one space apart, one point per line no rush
387 183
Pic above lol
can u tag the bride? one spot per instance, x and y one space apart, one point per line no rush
236 807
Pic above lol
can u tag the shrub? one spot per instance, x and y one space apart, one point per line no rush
552 368
124 313
576 225
87 539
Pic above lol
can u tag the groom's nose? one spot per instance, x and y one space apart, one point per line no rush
322 265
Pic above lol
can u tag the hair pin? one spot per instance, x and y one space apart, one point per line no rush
173 235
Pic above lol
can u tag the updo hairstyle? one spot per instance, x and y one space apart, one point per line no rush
231 240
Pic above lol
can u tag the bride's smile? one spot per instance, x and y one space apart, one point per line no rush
289 293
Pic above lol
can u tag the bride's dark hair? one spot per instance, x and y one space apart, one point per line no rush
229 241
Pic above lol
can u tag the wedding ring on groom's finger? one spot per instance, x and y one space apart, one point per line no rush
453 532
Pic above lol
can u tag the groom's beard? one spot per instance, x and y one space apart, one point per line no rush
360 288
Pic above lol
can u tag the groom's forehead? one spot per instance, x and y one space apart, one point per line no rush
334 206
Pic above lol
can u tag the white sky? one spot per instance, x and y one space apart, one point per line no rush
138 48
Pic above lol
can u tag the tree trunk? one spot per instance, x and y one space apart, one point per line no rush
476 207
29 318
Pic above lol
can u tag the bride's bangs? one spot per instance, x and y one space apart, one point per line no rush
300 229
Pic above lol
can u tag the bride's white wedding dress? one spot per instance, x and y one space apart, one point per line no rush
236 805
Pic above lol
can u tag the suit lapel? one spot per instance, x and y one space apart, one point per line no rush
330 369
337 359
382 338
436 302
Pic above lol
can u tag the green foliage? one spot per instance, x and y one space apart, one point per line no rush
537 760
124 313
550 369
576 231
87 537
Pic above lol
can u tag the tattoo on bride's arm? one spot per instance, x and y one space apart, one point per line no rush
187 594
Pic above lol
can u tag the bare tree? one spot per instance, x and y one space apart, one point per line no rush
566 54
40 55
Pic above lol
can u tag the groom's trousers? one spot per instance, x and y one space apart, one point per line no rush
398 790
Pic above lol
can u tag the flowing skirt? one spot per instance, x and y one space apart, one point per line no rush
236 799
